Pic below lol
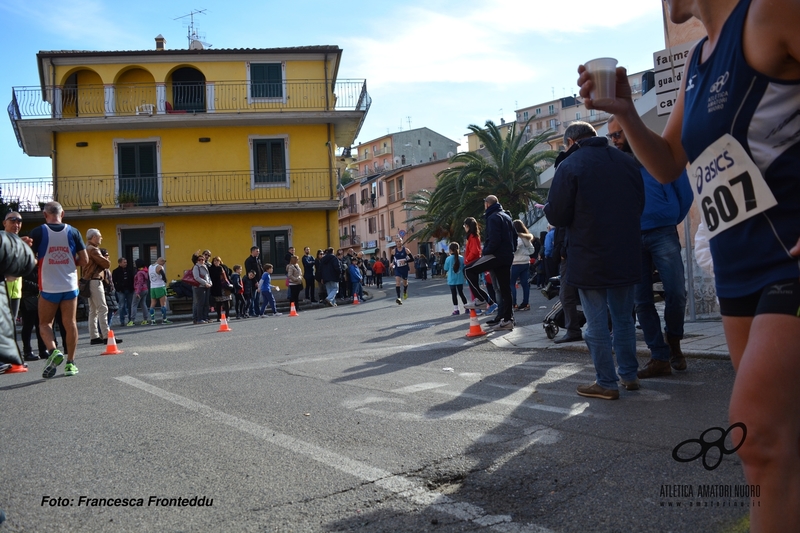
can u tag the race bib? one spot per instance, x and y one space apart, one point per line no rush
729 186
401 262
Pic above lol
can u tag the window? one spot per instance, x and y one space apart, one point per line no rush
429 143
402 160
400 192
525 116
591 112
380 188
372 225
269 161
273 246
539 125
391 191
391 219
266 80
419 142
578 115
538 110
138 173
551 109
553 123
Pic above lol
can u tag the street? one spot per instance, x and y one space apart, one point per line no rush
371 418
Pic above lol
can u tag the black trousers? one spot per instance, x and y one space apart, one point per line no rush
570 299
501 279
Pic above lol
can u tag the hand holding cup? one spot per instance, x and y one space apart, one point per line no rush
604 86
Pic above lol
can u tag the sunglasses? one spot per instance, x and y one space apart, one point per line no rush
614 136
14 220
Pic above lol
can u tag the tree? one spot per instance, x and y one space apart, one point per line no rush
510 172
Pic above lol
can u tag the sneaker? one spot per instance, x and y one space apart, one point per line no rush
492 308
475 304
52 363
405 296
277 314
131 323
152 322
455 313
31 357
478 312
596 391
506 325
399 301
166 321
116 339
70 369
98 340
630 385
327 302
493 322
4 367
525 307
655 368
144 322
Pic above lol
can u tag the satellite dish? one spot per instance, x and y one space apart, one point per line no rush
196 45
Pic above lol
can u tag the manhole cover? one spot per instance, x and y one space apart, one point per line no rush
422 325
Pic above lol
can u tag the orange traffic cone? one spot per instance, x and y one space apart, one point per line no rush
17 368
293 311
475 329
111 345
223 326
355 299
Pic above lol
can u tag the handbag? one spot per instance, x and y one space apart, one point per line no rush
188 277
84 288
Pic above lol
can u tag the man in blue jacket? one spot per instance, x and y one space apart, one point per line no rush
665 207
597 194
498 255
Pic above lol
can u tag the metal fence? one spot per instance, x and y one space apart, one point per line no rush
213 97
178 189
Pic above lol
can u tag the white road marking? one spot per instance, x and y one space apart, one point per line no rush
418 387
400 485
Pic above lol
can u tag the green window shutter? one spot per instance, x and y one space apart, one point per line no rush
127 160
269 161
266 80
147 159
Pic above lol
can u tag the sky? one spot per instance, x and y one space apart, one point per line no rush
439 64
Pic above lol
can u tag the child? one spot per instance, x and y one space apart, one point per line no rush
355 278
238 291
453 265
266 291
140 291
368 264
250 285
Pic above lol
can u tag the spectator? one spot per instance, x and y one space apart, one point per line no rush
295 277
122 276
95 273
200 293
308 273
16 260
330 273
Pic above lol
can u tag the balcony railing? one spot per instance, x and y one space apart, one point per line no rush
382 150
347 210
363 156
171 189
87 101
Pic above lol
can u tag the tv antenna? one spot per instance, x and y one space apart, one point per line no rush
192 35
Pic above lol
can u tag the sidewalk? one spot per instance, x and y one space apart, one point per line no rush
704 339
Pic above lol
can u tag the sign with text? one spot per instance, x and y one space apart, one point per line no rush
668 67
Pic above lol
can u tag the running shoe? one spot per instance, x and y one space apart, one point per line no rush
70 369
399 301
277 314
503 325
166 321
144 322
131 323
492 308
405 296
455 313
525 307
52 363
4 368
475 304
152 322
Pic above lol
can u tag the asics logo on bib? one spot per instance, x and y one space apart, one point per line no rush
712 170
720 83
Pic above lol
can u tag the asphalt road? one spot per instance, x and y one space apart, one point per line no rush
371 418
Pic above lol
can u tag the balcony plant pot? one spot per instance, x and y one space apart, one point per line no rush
127 199
96 206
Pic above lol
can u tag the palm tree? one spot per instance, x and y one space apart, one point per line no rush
510 172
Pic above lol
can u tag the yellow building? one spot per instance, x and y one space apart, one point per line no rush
167 151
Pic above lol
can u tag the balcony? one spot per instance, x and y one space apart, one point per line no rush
35 112
350 240
381 151
347 210
363 156
174 193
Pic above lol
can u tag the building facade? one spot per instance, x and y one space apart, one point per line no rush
167 151
401 149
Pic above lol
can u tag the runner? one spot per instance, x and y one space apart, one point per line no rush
158 290
400 261
60 249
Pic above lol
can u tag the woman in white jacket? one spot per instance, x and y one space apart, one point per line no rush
521 267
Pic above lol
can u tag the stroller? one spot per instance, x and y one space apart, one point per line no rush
555 319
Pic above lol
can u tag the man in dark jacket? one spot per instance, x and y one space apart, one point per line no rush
331 271
252 263
597 194
16 260
122 276
498 255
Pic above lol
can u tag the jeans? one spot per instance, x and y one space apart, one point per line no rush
358 290
661 249
596 305
140 300
332 287
520 272
124 300
199 300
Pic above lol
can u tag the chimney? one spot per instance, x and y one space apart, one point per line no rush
161 42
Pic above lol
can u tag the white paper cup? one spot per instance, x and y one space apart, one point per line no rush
603 72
